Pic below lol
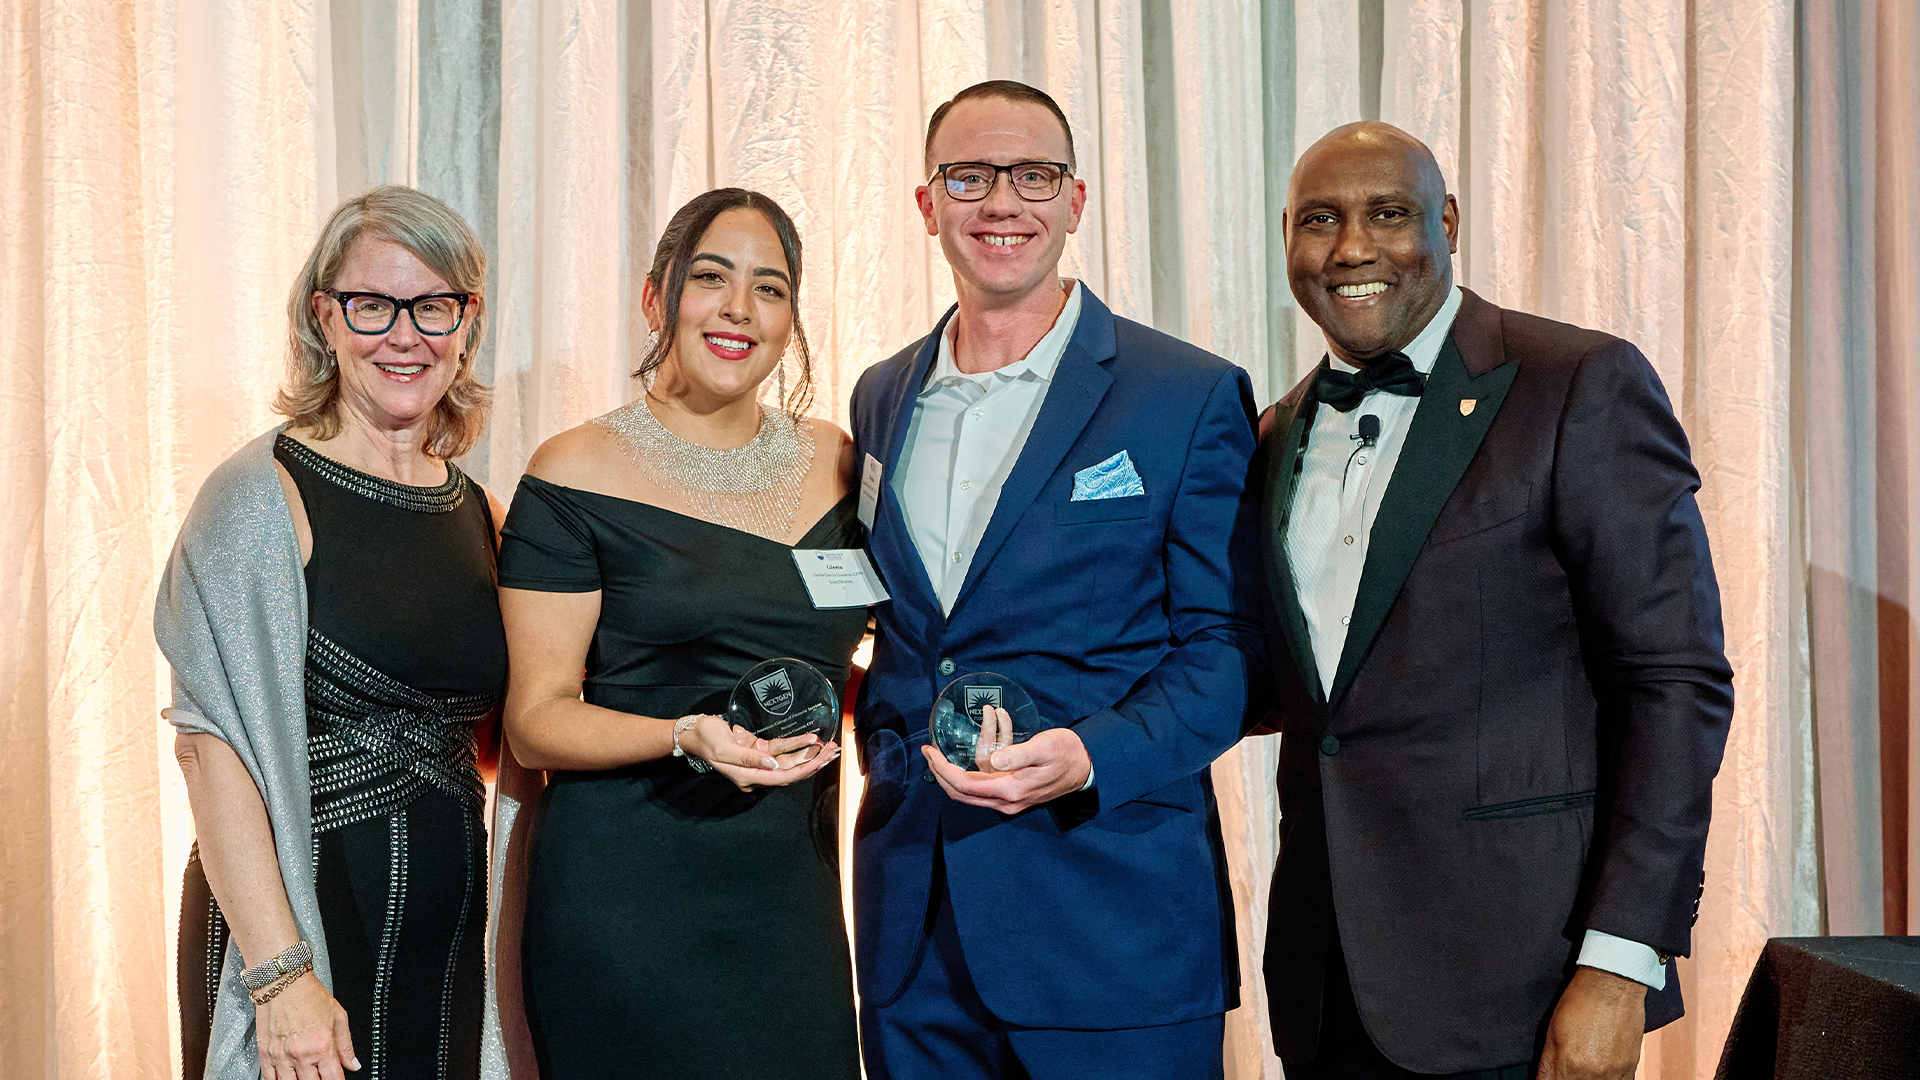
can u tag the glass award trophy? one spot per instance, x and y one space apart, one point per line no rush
784 697
963 731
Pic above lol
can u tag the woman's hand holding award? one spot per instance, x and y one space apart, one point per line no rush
789 705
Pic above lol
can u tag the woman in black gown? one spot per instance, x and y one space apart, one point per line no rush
403 653
679 922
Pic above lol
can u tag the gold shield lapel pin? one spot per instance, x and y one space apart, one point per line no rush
1467 404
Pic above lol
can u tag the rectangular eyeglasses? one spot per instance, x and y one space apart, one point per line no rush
433 314
971 181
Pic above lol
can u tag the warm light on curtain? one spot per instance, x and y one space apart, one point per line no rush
1729 183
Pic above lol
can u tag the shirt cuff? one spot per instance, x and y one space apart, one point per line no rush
1089 782
1627 959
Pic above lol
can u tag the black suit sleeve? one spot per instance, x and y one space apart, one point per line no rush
1629 535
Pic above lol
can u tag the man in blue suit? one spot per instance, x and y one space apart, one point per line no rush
1060 496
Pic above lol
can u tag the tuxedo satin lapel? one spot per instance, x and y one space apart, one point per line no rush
888 539
1441 442
1292 416
1079 382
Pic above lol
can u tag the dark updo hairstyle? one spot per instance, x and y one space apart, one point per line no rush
678 245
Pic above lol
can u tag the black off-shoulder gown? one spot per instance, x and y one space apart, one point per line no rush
676 926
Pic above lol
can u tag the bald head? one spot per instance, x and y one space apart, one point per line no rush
1372 138
1369 230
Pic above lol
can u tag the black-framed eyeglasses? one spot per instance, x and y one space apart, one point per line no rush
433 314
971 181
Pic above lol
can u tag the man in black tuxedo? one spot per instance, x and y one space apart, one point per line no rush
1498 660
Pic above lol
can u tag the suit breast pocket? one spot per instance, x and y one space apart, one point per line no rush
1124 508
1486 511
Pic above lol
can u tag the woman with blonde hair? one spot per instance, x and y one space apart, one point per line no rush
331 618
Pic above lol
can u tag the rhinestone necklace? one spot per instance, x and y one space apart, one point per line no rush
754 488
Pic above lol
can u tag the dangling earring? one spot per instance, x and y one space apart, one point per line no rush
644 372
781 377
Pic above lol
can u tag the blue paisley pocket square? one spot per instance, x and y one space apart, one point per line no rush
1113 478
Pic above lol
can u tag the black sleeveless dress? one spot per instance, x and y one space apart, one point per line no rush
677 927
404 652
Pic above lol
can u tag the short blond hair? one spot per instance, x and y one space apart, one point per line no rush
442 240
1003 90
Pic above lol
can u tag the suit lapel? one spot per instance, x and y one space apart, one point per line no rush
904 395
1441 443
1080 381
889 538
1292 417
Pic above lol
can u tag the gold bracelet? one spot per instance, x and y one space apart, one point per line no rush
261 997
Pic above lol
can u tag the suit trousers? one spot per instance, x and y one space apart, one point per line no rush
939 1027
1346 1052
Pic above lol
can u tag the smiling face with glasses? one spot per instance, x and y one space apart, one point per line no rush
1004 200
393 370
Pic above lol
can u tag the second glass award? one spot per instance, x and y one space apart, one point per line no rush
965 732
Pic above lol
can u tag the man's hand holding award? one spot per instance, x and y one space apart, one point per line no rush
991 748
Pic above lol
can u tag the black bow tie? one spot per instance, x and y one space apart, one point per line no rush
1393 373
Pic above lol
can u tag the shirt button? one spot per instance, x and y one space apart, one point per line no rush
957 556
1346 539
966 485
1362 461
976 414
947 666
1346 620
1329 746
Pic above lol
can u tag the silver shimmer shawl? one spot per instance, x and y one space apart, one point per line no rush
232 620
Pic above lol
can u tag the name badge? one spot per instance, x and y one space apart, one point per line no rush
869 490
839 577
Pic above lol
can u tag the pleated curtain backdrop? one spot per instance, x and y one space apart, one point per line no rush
1731 184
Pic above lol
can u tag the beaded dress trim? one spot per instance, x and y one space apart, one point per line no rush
754 488
442 499
376 744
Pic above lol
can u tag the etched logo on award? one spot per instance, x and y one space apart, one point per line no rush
774 691
966 733
782 698
979 697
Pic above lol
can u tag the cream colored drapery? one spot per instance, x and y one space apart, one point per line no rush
1642 166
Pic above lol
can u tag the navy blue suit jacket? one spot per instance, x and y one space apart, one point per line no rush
1131 619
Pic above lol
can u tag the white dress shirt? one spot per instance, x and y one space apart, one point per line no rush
967 431
1328 528
1341 485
